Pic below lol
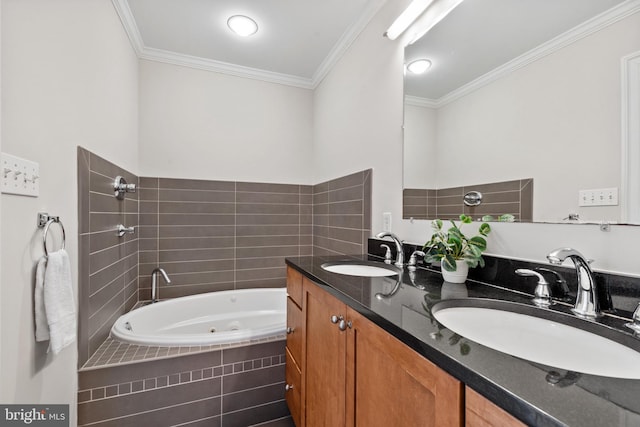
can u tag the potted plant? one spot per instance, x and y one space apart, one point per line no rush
455 251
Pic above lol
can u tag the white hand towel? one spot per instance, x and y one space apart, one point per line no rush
58 301
42 328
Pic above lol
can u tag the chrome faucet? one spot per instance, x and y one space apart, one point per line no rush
399 250
154 283
587 304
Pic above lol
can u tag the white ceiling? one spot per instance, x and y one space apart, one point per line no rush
482 35
297 42
300 40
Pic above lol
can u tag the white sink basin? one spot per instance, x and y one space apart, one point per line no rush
361 268
541 340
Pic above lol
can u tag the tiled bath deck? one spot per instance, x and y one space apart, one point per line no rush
113 352
227 385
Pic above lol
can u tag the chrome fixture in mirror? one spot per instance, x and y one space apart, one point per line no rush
472 198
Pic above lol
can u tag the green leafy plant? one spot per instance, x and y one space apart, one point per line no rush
452 245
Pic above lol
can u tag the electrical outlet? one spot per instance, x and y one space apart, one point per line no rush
386 221
20 176
598 197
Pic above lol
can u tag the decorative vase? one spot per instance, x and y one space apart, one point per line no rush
458 276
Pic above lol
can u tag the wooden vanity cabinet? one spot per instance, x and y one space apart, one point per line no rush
356 374
482 413
293 352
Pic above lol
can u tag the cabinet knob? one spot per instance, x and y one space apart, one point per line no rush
288 387
335 319
343 324
290 330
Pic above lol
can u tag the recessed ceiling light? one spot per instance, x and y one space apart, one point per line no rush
242 25
419 66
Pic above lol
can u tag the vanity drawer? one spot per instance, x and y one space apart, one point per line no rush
294 330
294 286
293 388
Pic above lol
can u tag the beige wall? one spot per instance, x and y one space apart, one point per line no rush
69 77
204 125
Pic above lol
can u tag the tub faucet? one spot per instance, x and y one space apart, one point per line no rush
587 304
399 250
154 283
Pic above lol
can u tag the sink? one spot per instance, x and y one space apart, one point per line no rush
543 336
361 268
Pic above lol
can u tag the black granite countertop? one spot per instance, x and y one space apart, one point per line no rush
524 389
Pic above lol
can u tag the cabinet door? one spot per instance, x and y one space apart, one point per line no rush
482 413
324 353
392 385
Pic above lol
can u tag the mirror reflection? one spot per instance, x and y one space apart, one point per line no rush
527 103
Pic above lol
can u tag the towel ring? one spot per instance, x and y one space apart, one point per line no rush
46 230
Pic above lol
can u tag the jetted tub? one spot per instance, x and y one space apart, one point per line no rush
205 319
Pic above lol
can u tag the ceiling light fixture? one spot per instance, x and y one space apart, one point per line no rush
406 18
436 13
418 66
419 17
242 25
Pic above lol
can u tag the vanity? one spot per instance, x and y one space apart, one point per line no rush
368 351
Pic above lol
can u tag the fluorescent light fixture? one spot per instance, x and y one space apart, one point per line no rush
434 14
242 25
418 66
407 17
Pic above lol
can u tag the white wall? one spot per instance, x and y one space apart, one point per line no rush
203 125
420 147
69 77
358 115
556 120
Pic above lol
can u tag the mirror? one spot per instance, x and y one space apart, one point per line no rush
525 93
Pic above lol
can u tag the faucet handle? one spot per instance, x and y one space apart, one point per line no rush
635 320
559 280
412 258
387 256
542 293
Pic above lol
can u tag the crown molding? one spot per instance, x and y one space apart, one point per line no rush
168 57
416 101
129 24
345 41
581 31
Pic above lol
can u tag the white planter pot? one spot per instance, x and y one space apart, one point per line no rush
458 276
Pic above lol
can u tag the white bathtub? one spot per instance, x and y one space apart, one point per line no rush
205 319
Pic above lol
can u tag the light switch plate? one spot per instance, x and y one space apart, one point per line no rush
20 176
598 197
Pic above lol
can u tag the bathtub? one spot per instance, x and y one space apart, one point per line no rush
206 319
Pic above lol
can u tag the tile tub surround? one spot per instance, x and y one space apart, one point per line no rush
238 386
207 235
342 214
508 197
107 264
220 235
